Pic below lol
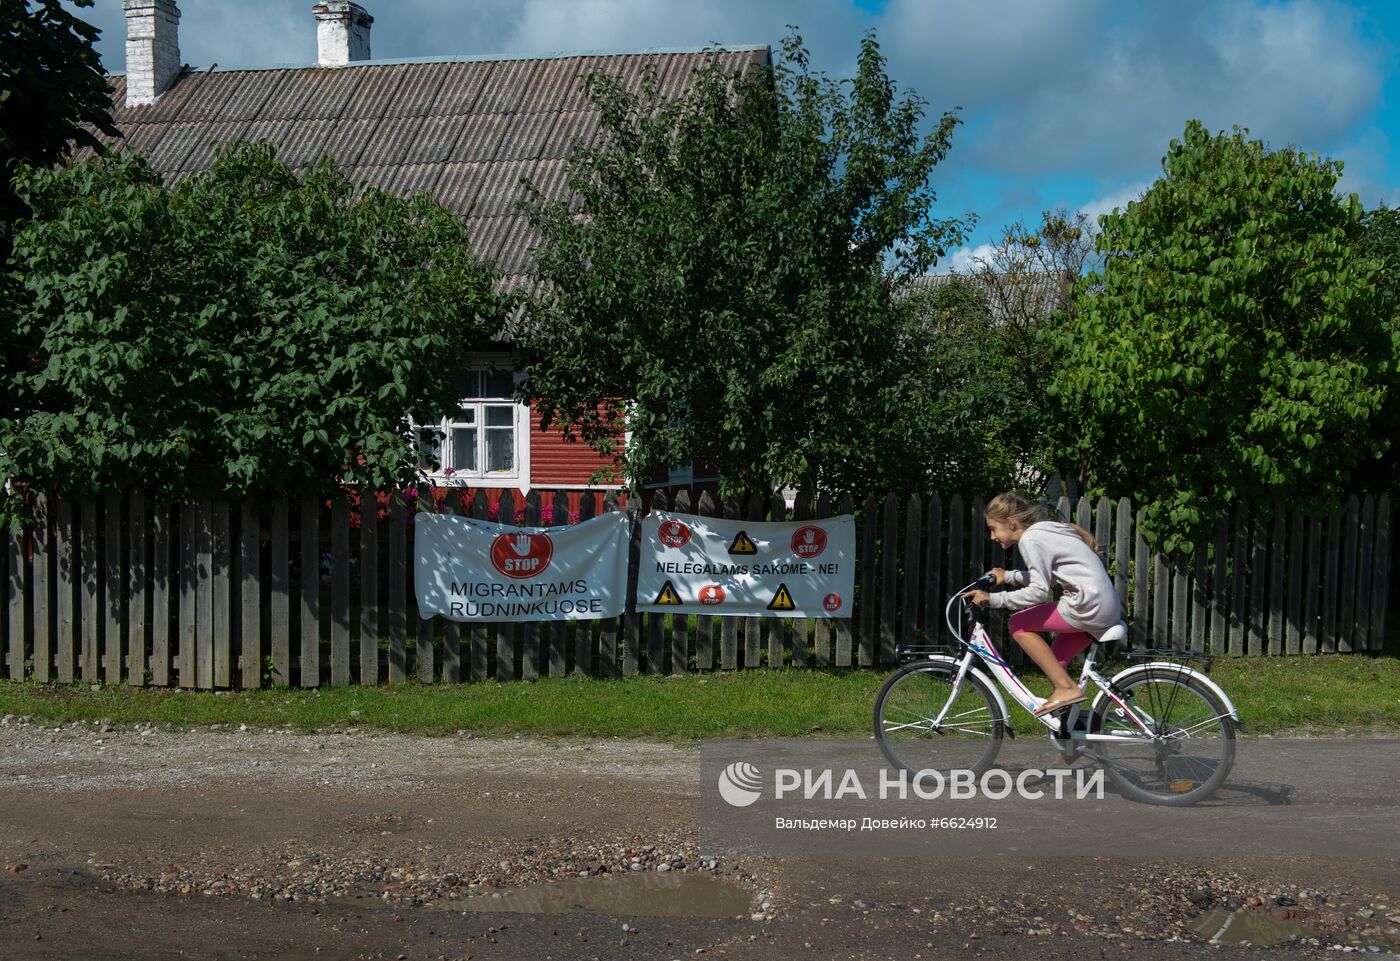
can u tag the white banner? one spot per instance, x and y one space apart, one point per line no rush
473 570
708 565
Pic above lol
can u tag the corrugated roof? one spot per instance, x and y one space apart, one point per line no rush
463 129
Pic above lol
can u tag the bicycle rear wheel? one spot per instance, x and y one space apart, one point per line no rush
1187 749
968 736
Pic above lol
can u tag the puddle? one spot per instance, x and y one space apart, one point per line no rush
649 893
1255 928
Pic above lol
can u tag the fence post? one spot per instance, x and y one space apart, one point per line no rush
1276 568
481 630
310 592
18 589
705 623
823 627
1258 580
530 659
1142 601
911 623
558 664
1198 600
340 591
868 602
933 569
42 574
1366 564
1380 586
280 592
451 630
753 626
779 630
680 623
583 631
957 517
1219 608
369 588
802 653
889 550
137 597
1313 586
1331 589
424 648
398 588
250 593
65 554
221 594
89 586
843 624
112 593
1293 620
163 588
655 620
631 619
1346 621
1239 600
728 626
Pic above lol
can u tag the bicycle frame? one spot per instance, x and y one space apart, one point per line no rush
980 648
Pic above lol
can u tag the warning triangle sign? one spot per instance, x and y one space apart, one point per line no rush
743 544
782 601
668 595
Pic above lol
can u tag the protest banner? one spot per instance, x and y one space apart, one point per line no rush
707 565
472 570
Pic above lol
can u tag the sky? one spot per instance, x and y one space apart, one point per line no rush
1065 103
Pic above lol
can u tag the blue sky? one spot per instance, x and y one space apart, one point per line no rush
1065 102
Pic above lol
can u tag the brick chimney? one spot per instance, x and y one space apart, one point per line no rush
152 49
342 33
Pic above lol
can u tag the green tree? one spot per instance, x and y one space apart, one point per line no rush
970 405
1233 345
249 328
724 278
1028 277
51 86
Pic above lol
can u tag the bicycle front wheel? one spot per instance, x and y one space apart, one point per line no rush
1179 739
922 724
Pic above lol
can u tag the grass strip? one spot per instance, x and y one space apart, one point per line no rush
1320 694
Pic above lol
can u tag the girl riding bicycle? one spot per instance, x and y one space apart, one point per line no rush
1054 553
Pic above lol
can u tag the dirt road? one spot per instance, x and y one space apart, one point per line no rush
139 842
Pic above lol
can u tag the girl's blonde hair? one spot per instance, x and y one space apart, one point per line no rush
1015 506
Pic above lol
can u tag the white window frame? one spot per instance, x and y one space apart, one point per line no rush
519 476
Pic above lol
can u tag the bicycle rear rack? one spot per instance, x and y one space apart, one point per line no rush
1170 654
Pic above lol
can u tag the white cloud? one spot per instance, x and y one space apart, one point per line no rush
964 259
1088 86
1115 199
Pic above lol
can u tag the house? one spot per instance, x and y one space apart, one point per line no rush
464 129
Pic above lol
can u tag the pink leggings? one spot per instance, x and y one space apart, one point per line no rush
1045 618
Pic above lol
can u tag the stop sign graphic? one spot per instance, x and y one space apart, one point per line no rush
711 594
521 555
674 534
808 541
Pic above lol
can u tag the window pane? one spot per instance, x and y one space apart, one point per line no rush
466 415
429 443
500 416
500 449
498 383
473 385
463 448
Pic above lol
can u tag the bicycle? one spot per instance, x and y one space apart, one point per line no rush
1163 730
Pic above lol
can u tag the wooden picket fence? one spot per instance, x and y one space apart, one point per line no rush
218 595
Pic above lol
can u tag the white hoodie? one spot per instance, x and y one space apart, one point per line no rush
1054 553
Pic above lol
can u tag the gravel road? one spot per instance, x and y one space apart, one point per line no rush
123 841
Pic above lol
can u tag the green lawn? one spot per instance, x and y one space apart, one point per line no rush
1322 694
